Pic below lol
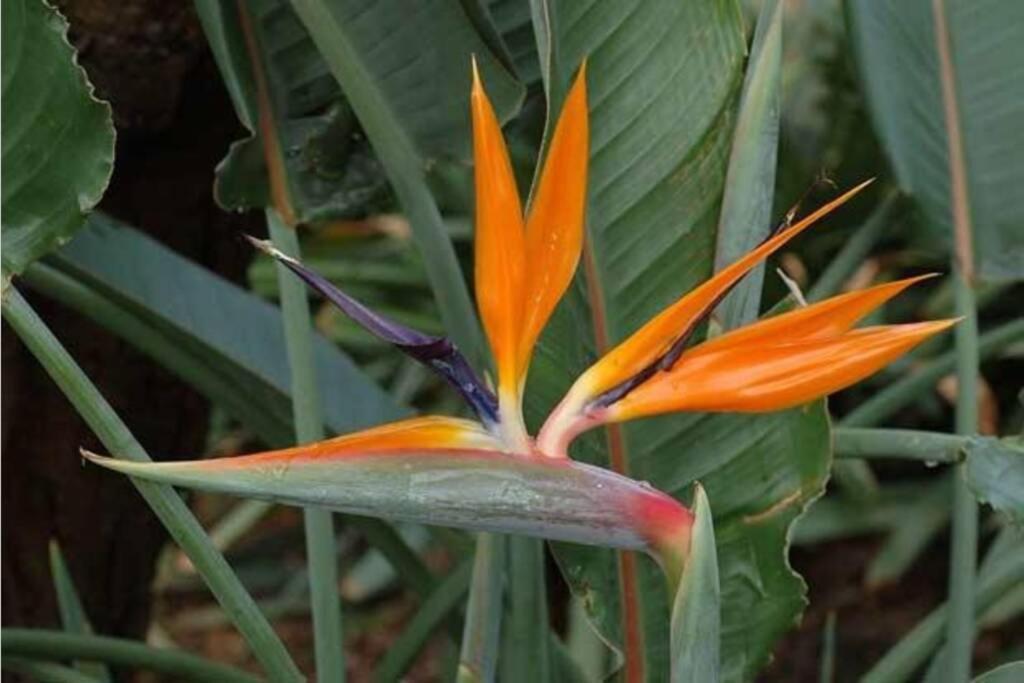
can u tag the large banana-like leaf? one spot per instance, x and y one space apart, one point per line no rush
664 80
946 92
58 140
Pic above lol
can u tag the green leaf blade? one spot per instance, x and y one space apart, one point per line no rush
58 140
897 47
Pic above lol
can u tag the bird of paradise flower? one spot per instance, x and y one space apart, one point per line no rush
490 474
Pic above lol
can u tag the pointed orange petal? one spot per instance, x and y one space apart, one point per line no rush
554 226
656 337
500 241
420 434
761 378
828 318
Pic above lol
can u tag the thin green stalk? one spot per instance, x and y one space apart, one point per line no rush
165 502
906 390
525 628
441 604
46 672
73 618
827 671
481 635
900 663
46 644
909 444
854 251
963 557
309 426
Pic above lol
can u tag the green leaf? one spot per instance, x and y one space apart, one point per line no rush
696 608
45 644
661 122
745 218
947 96
328 172
443 602
58 140
995 473
406 75
221 339
1007 673
72 615
479 651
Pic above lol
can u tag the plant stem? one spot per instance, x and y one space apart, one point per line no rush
964 549
904 391
442 603
909 444
525 627
47 644
309 426
165 502
46 672
480 638
913 650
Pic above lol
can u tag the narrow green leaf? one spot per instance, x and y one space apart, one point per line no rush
439 605
58 140
165 502
746 214
1007 673
946 94
72 615
696 608
321 551
525 626
1010 540
911 532
44 644
45 672
995 579
827 670
479 654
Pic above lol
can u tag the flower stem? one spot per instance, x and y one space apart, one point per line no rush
964 549
308 415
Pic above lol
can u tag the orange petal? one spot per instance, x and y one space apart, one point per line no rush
828 318
656 337
500 248
554 225
758 377
421 434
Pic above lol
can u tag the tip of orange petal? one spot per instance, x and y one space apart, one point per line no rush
477 86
